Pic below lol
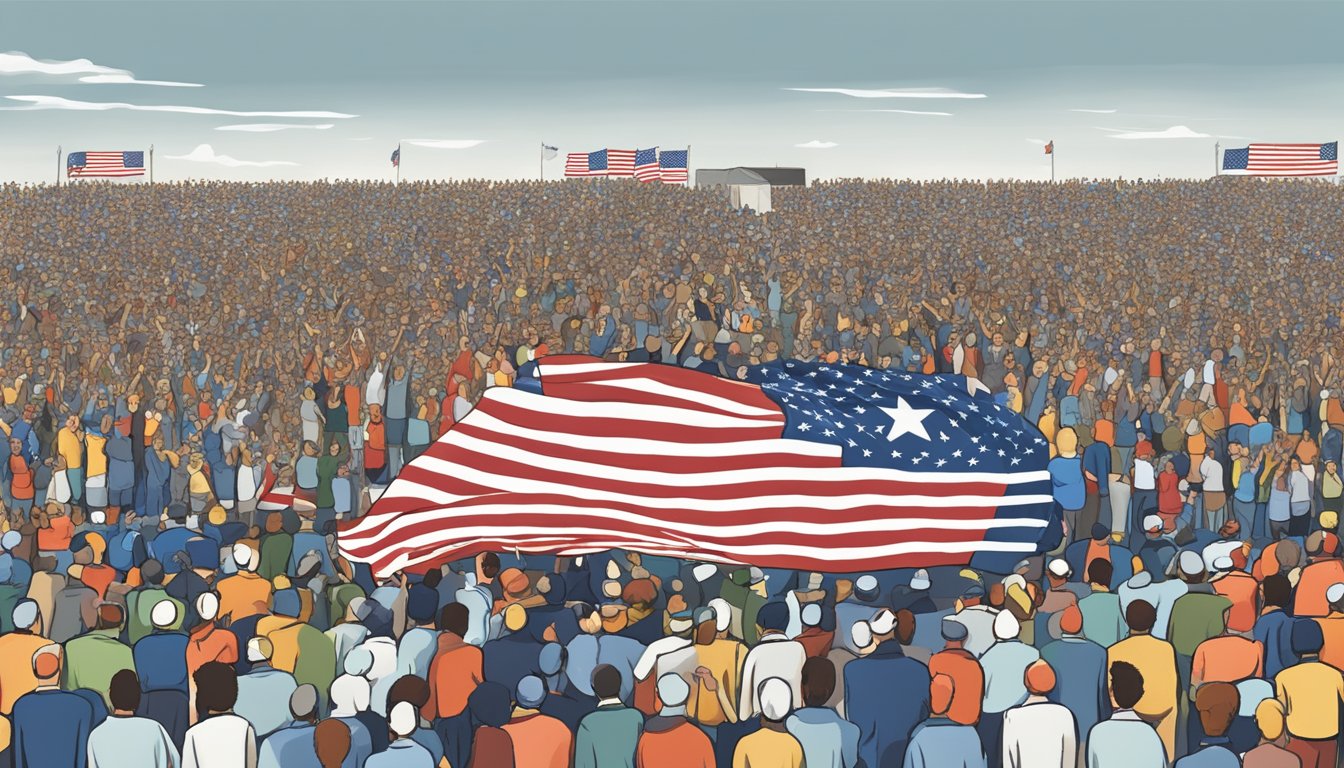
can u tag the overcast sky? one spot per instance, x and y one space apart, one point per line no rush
304 90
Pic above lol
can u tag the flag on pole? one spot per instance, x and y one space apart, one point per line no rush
807 466
548 152
621 162
1050 147
586 163
646 165
673 165
1283 160
105 165
396 157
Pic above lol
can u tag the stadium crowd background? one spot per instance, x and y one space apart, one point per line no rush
172 353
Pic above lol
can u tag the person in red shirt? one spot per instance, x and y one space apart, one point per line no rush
21 478
1169 501
961 666
669 739
375 445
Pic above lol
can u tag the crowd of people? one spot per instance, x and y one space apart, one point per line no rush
199 381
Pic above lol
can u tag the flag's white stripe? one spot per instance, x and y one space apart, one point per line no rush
663 415
655 387
650 447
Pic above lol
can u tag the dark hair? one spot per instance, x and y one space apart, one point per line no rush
818 681
905 626
1217 704
1126 684
216 687
1140 616
124 692
490 565
1278 590
606 681
408 688
1099 572
432 578
454 618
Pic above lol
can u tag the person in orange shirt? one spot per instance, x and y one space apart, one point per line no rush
961 666
539 741
454 673
669 739
54 531
240 593
1241 588
89 567
1324 568
1227 658
16 654
207 642
1332 627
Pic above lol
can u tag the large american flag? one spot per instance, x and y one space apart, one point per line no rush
1283 160
835 468
646 165
621 162
673 164
586 163
105 164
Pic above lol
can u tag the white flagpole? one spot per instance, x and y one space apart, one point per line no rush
541 162
58 165
688 166
151 163
1217 170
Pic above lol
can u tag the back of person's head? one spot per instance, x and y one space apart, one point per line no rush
303 702
331 741
408 688
905 626
110 616
490 565
818 681
773 616
454 618
1140 616
1270 718
1039 678
124 691
942 688
1099 572
1126 684
1217 704
1278 590
216 687
606 681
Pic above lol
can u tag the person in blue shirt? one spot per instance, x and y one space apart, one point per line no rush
1080 667
826 737
886 692
1066 480
161 663
404 752
294 745
1217 705
940 742
1274 627
51 727
173 539
1125 740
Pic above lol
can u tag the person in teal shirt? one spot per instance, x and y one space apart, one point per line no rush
607 737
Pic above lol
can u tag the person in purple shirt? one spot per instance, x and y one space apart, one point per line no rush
50 727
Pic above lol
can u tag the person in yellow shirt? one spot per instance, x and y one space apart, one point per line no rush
245 593
772 745
718 657
1311 693
1155 659
95 454
70 446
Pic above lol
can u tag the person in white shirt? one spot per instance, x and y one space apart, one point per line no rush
480 603
1215 492
1143 476
775 655
1038 733
126 741
221 739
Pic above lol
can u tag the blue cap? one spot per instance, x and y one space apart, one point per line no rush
422 603
774 616
287 603
551 659
531 692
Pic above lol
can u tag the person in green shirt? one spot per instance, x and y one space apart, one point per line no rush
278 544
608 736
140 602
92 659
744 589
326 473
1196 616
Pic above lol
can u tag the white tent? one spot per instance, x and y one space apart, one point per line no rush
744 188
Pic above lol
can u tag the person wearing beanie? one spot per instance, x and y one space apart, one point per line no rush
50 727
940 741
93 658
161 664
774 656
1126 739
1155 661
402 750
886 692
1079 664
1157 549
1270 720
968 677
1312 692
293 744
1324 568
670 740
608 736
825 736
299 648
1004 664
772 744
16 653
240 593
538 739
1196 616
124 740
1040 732
1229 658
263 693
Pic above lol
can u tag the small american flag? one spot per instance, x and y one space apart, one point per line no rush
621 162
396 157
1283 160
1050 148
801 465
104 164
672 164
586 163
646 165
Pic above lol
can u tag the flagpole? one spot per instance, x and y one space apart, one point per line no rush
398 163
58 165
1052 161
541 162
1216 170
151 163
688 166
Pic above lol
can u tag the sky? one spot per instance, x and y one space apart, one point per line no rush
950 89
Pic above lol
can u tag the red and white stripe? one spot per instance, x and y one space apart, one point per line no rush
668 461
104 164
621 162
648 172
576 164
1289 160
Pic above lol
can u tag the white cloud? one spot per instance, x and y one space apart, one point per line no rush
205 153
1038 142
1174 132
445 143
272 127
894 93
56 102
20 63
894 111
1096 111
816 144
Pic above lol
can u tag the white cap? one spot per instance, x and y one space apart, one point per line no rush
207 606
920 580
723 613
1224 563
403 719
1183 486
1015 579
1006 626
242 555
1190 563
866 583
1060 567
775 697
677 626
861 634
811 615
97 517
883 623
1152 523
254 650
10 540
25 614
672 690
704 571
164 614
1334 593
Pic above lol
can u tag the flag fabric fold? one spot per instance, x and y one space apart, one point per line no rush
673 165
548 152
580 164
396 157
646 165
620 163
808 466
104 165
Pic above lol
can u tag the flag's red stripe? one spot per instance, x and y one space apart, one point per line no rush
553 373
617 427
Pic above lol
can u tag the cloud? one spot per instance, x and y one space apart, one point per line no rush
445 143
815 144
19 63
272 127
894 93
1174 132
56 102
205 153
1096 111
895 111
1038 142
